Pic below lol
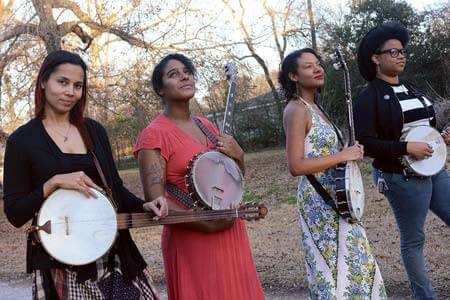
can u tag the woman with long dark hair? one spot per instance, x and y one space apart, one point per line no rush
202 260
51 152
339 261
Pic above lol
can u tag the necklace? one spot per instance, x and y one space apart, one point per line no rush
65 136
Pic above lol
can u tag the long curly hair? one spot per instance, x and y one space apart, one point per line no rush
289 66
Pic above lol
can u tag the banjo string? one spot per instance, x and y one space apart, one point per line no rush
146 218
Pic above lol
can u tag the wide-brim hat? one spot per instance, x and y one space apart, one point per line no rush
373 40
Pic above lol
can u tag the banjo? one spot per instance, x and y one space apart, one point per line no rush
77 230
430 165
349 183
215 180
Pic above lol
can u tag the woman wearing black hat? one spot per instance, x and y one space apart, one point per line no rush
383 112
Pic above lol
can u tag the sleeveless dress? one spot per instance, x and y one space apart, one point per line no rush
339 261
199 266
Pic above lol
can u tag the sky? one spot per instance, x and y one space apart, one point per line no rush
253 7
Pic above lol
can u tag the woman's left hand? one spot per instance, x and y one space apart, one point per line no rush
446 135
158 206
228 146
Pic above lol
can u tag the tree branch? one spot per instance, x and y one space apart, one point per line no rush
19 30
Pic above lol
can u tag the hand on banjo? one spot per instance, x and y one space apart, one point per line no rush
419 150
228 146
158 206
74 181
355 152
446 135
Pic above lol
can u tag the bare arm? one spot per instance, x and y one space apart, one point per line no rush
296 122
152 170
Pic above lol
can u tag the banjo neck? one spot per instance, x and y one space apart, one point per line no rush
341 64
136 220
231 72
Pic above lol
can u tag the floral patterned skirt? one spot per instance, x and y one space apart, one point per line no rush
339 261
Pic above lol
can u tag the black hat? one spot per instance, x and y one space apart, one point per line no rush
373 40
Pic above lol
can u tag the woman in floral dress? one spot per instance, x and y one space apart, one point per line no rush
339 261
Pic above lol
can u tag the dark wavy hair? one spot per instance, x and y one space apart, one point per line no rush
289 66
158 71
50 65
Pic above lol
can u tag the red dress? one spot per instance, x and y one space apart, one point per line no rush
199 266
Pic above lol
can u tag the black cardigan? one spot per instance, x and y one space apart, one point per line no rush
379 122
31 158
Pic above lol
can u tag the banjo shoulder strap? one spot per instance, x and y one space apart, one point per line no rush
86 136
206 131
322 192
180 195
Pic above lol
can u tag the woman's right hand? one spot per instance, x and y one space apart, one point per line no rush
73 181
355 152
419 150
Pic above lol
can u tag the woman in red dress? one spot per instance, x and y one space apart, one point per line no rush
202 260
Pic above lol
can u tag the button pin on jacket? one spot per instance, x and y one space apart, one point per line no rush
386 97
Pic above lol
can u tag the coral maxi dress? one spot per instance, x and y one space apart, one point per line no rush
199 265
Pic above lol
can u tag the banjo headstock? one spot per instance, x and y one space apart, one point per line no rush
339 62
253 211
231 71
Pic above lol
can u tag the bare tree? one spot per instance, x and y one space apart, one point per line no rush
284 25
41 26
312 25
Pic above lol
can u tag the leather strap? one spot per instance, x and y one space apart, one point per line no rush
323 193
180 195
86 136
206 131
102 177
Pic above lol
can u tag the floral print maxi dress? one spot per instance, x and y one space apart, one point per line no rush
339 261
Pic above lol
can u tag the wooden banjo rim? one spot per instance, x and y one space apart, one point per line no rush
191 184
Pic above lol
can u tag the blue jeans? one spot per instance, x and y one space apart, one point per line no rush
410 200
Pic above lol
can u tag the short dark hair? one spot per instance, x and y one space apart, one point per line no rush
50 64
289 66
158 71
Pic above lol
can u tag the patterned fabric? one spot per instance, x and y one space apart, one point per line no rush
62 284
339 261
416 110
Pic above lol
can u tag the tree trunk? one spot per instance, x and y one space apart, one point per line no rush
48 30
312 25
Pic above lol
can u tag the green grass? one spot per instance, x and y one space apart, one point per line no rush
291 200
250 197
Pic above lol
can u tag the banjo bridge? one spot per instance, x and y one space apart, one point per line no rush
66 222
217 189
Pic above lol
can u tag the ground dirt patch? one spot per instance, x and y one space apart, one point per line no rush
276 240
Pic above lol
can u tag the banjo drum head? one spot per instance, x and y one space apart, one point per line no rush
355 187
217 180
433 164
82 229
